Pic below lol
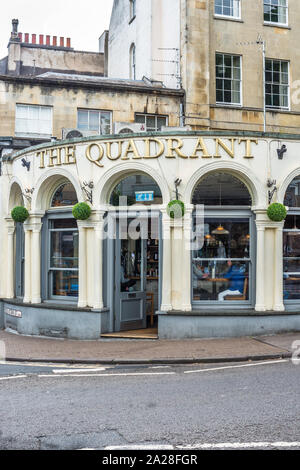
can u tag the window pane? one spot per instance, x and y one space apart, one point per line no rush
64 283
64 250
65 195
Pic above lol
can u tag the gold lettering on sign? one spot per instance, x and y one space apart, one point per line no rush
220 143
108 150
131 148
55 157
172 148
248 143
41 156
97 160
70 154
160 151
201 147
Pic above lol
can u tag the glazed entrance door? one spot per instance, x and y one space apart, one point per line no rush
130 278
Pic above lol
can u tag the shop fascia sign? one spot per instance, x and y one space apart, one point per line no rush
146 149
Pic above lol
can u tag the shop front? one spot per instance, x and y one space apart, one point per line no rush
219 268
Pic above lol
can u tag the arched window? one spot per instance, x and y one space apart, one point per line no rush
222 260
132 62
291 244
221 189
65 195
136 189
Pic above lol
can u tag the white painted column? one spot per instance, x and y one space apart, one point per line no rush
260 269
278 275
36 263
27 266
166 301
186 261
82 298
10 286
98 264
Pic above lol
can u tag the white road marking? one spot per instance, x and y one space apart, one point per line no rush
108 375
241 445
265 363
14 377
72 371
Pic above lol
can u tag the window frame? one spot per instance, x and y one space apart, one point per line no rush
229 17
224 103
152 115
99 120
277 23
33 134
271 107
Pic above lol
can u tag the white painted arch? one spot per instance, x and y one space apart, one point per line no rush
15 197
255 187
114 175
285 184
48 183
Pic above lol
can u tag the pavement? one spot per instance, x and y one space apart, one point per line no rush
133 351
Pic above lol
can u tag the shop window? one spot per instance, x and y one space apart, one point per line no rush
222 261
229 8
277 83
94 121
65 195
152 122
228 79
63 258
276 11
291 244
221 189
33 121
20 259
136 189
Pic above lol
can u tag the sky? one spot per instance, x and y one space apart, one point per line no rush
82 21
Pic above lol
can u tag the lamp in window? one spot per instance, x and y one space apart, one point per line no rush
220 231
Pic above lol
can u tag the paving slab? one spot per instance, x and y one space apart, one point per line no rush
118 351
283 342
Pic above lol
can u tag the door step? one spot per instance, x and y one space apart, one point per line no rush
149 333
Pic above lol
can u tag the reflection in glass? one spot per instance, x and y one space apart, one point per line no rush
292 196
64 250
291 258
65 283
221 266
221 189
131 260
131 185
65 195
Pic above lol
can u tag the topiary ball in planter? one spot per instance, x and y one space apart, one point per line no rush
20 214
81 211
277 212
175 209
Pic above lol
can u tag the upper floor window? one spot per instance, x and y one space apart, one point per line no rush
276 11
228 79
33 121
95 121
277 83
228 8
152 122
132 8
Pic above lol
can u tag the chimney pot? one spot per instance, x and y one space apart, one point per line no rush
33 40
54 40
20 36
26 37
62 42
15 24
48 40
41 39
69 42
